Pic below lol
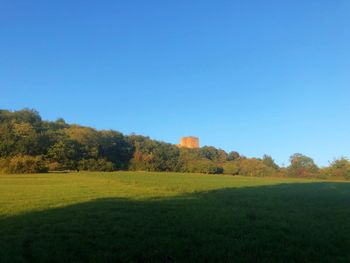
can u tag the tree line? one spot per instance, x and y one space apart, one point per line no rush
29 144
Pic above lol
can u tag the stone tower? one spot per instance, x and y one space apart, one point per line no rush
189 142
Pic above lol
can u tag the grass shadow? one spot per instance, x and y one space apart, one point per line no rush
287 222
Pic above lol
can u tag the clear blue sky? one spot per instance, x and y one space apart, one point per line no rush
252 76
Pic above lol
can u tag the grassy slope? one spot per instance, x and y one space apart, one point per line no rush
126 216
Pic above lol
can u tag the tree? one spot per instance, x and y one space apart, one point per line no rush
87 137
25 136
302 166
233 156
26 164
231 167
7 139
66 153
269 162
340 168
212 153
254 167
152 155
115 148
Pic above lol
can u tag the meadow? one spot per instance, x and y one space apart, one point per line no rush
172 217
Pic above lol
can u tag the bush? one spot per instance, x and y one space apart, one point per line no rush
65 166
4 163
231 168
54 166
281 172
324 173
96 165
255 167
205 166
23 164
339 168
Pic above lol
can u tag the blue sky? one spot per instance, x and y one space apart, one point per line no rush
252 76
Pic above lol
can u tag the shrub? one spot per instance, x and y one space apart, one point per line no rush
4 163
281 172
205 166
231 168
68 165
54 166
254 167
324 173
96 165
23 164
340 168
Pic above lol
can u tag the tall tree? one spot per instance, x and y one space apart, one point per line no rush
302 166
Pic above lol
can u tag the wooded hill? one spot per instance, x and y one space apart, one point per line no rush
29 144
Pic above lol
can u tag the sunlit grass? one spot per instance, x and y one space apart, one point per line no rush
171 217
23 193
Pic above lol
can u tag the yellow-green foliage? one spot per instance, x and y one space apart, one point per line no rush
231 167
254 167
23 164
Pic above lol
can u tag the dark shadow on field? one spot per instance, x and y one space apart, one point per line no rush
282 223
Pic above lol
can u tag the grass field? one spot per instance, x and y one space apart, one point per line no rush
169 217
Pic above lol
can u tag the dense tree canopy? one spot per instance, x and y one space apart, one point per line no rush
30 144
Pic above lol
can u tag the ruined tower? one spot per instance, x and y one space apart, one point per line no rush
189 142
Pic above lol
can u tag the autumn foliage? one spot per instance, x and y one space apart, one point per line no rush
29 144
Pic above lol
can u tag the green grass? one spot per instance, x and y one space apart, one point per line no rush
169 217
